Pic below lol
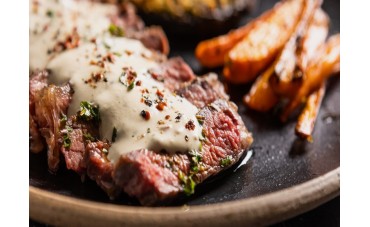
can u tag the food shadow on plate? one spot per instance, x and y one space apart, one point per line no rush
68 183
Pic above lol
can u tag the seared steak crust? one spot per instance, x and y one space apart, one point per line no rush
80 133
149 176
203 91
154 177
226 138
100 169
51 103
174 73
38 81
152 37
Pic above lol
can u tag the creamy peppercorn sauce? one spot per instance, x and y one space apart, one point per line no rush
56 25
113 73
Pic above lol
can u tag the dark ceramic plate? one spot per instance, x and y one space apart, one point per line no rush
279 160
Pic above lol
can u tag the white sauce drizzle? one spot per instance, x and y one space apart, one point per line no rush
52 21
121 107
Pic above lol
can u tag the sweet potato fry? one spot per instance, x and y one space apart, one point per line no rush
263 42
212 52
306 120
326 64
293 60
313 38
261 97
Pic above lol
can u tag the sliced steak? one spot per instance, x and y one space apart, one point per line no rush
133 27
226 138
153 38
51 103
156 177
99 168
150 176
78 133
131 21
38 81
173 73
203 91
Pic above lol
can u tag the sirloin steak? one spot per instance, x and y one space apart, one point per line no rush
152 175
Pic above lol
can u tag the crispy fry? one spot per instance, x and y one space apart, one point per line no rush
306 120
293 60
261 97
212 52
312 39
318 71
263 42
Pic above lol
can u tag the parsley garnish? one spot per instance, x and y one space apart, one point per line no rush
196 158
117 54
131 86
106 45
49 13
66 141
188 183
200 119
202 136
63 118
114 30
88 136
69 129
226 161
88 111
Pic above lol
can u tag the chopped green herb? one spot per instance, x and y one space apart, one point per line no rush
202 136
69 129
63 118
148 130
196 158
117 54
49 13
88 136
114 134
106 45
105 151
195 168
200 119
66 141
188 183
131 86
115 30
88 111
121 78
226 161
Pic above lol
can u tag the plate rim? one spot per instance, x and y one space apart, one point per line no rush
57 209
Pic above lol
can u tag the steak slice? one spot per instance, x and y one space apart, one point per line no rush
79 133
149 176
38 81
51 103
157 177
173 73
203 90
99 168
226 138
153 38
133 26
